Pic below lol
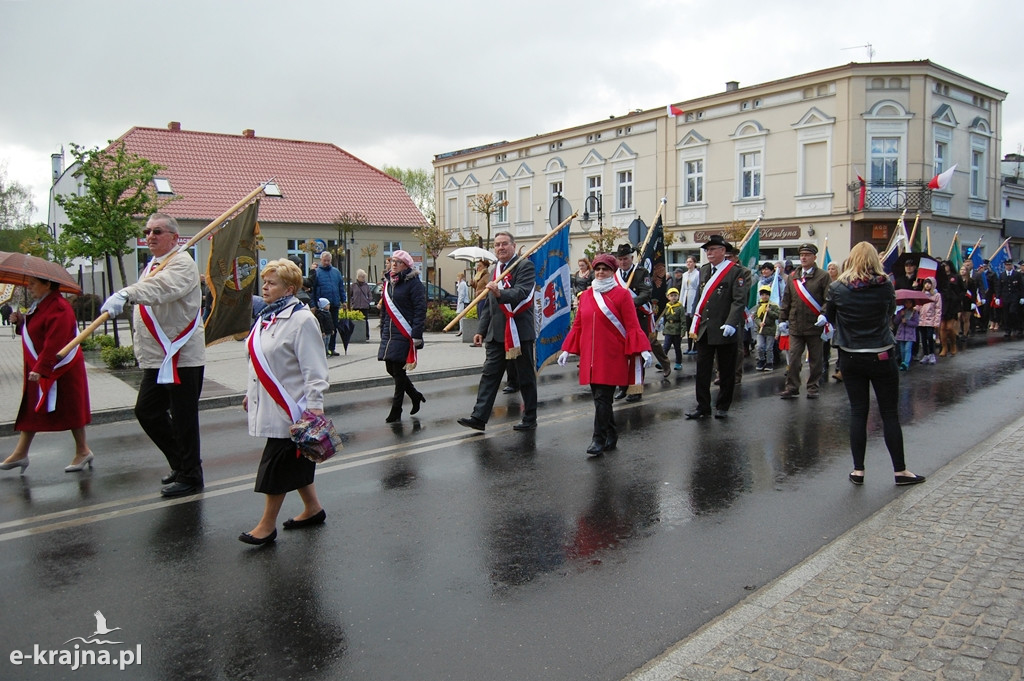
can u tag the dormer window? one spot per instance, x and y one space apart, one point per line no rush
163 185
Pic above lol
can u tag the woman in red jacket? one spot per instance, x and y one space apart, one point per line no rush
607 337
56 392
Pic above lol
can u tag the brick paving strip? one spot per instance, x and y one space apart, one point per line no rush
930 587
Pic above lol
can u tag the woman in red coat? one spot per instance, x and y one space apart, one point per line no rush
606 335
55 395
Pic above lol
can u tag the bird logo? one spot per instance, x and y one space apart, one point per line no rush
101 630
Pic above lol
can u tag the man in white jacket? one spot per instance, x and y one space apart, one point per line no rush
170 345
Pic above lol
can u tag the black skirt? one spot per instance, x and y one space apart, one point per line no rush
280 470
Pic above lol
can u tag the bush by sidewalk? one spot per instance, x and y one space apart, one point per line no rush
118 358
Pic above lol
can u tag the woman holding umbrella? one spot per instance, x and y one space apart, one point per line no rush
403 314
55 394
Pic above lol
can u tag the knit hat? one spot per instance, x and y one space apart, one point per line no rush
323 302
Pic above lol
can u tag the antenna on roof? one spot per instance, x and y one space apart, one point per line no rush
865 46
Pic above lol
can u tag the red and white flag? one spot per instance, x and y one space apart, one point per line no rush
927 268
942 180
674 111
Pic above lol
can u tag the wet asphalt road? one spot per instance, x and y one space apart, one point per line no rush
453 555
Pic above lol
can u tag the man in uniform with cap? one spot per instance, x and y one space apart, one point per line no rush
642 289
717 321
801 314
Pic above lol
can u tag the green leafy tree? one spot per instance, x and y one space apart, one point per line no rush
419 185
603 242
119 192
15 202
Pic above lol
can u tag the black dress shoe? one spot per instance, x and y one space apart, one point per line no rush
619 393
525 425
721 414
596 447
788 394
472 422
169 478
247 538
857 479
696 414
316 519
909 479
635 397
508 390
611 443
180 489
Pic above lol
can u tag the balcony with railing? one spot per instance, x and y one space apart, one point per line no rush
913 195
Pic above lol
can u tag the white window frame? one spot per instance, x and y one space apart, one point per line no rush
624 189
750 139
501 215
887 160
693 181
754 189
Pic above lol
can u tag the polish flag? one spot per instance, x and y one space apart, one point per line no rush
674 111
942 180
927 268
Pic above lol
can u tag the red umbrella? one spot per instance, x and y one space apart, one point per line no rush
17 268
911 294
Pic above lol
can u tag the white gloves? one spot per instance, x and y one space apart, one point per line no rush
821 320
999 303
648 359
563 358
1022 301
783 327
114 305
728 330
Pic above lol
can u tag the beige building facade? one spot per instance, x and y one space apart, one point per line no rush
792 148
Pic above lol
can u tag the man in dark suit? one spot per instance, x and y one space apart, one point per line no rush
506 328
1011 298
718 322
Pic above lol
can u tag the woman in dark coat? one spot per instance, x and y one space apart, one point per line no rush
952 291
403 313
46 328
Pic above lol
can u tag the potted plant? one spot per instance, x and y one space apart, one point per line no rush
358 324
468 325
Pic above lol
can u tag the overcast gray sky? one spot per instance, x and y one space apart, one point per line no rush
397 82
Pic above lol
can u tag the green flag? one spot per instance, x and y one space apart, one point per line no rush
749 255
231 275
956 255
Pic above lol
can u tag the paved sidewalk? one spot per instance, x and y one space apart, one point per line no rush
930 587
112 393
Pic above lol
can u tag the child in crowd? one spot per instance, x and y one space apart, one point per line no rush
765 318
323 315
906 332
930 319
674 317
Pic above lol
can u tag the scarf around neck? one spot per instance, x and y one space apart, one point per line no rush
273 308
604 285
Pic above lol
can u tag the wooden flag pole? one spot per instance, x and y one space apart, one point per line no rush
88 331
976 244
951 243
750 233
913 231
647 238
533 249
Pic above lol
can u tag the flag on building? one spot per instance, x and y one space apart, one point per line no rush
231 275
673 111
552 297
863 192
942 180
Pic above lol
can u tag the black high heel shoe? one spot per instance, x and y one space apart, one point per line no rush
417 400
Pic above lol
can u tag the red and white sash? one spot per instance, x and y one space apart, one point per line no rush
47 384
705 296
513 346
168 372
293 408
815 307
404 327
636 366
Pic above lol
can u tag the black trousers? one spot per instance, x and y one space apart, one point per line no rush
169 415
493 371
861 372
604 416
332 342
707 354
403 384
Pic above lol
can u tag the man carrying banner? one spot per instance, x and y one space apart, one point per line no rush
718 316
800 315
171 349
506 327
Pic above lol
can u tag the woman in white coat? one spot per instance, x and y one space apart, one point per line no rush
287 374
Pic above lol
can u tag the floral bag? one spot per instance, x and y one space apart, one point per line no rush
315 436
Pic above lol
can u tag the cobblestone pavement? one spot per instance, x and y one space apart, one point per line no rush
931 587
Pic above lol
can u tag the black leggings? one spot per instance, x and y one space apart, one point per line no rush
862 370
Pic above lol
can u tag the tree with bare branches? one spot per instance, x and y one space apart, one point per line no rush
486 205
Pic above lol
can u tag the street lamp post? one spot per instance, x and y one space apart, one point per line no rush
586 222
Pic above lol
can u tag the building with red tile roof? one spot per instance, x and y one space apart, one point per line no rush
207 173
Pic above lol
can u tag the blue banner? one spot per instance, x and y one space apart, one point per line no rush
552 297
